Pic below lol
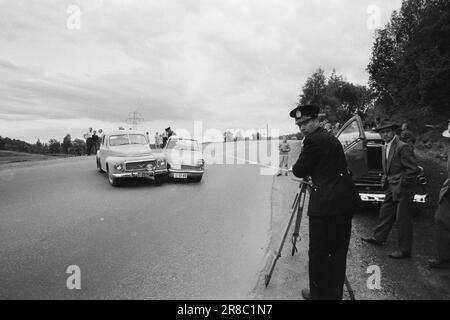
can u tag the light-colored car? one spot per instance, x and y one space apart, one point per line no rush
363 150
127 154
184 158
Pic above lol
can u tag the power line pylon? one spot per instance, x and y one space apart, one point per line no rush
134 118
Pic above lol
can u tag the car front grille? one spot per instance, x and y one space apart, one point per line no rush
190 168
141 165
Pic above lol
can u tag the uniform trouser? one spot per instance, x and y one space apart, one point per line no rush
328 245
442 221
399 210
283 162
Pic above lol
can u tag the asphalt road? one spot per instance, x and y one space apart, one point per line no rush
140 241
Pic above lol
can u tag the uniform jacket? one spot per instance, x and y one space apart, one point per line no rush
284 148
446 186
400 169
323 159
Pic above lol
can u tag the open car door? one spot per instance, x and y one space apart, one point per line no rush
353 140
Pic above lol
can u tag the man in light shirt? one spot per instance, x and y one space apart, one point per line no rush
284 156
157 140
400 172
88 137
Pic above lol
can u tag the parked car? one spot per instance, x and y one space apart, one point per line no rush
363 150
184 158
127 154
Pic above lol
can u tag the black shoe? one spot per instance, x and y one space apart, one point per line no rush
306 294
400 255
373 241
439 264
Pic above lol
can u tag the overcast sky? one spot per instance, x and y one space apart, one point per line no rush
231 64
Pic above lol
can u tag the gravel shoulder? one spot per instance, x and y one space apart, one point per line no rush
409 279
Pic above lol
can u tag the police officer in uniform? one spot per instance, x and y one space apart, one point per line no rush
332 204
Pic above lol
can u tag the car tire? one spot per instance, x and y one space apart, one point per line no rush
99 167
113 181
197 179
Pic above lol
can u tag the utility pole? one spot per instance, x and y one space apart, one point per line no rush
134 118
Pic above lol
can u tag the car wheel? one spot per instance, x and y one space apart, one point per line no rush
197 179
99 167
113 181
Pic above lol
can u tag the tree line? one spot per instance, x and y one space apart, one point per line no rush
409 72
53 146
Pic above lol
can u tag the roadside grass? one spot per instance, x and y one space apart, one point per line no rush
13 156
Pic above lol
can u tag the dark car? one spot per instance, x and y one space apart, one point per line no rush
363 150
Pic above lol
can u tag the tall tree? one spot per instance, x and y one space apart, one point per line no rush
54 146
337 98
66 144
314 89
38 146
410 63
78 147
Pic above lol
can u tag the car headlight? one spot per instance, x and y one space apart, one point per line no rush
118 166
200 162
161 163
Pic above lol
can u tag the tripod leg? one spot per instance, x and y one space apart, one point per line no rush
295 207
296 233
297 194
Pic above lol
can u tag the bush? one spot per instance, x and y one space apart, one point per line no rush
78 147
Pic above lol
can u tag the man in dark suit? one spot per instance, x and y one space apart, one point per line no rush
400 173
333 201
442 221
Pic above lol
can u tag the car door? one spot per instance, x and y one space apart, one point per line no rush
353 140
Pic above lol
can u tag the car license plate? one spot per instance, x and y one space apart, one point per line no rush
180 175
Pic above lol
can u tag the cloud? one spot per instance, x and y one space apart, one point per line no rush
230 63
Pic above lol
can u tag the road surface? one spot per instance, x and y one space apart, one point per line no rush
140 241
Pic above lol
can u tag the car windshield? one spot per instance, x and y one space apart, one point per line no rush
123 139
190 145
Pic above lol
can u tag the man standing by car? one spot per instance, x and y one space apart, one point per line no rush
333 201
169 132
164 138
284 149
157 142
400 172
95 141
88 137
442 221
